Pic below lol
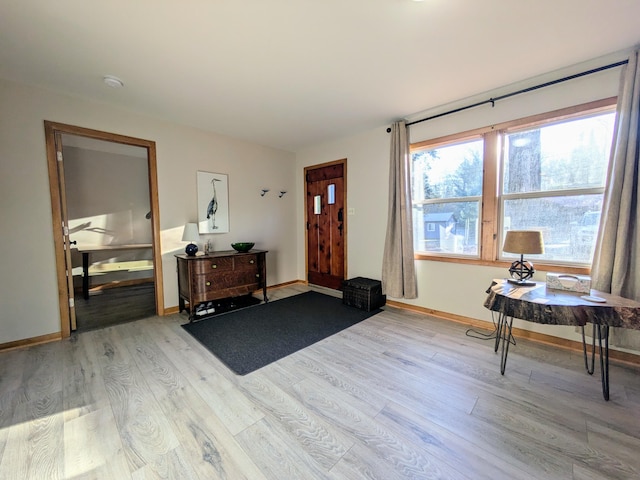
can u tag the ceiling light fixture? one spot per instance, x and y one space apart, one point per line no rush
113 82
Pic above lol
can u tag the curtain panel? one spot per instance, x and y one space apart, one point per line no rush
617 254
398 264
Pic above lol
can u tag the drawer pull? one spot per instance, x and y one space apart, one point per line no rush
208 284
252 262
214 265
257 275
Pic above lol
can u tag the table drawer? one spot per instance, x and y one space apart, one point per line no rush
213 265
245 262
221 280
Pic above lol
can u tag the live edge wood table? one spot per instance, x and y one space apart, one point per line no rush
556 307
220 275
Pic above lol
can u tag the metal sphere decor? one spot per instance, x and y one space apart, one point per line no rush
521 270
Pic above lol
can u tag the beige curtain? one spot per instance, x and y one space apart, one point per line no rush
398 267
617 255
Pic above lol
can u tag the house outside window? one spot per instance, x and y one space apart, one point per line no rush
545 173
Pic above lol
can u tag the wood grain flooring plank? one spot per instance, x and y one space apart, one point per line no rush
335 380
146 434
229 404
12 364
359 463
581 472
496 441
33 449
82 383
381 442
16 459
454 449
620 451
489 384
11 389
210 448
38 417
171 466
398 381
92 447
277 456
544 434
322 441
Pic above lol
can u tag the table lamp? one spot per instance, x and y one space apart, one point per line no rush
522 241
190 234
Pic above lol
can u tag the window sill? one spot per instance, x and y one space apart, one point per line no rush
539 266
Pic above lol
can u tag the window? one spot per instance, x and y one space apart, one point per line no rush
447 190
542 173
553 181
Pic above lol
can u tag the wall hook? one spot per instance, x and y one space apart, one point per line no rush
264 190
282 192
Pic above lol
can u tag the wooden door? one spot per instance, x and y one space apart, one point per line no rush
326 224
65 231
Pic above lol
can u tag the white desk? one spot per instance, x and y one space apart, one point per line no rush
89 249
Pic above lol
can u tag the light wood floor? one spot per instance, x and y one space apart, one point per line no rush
400 395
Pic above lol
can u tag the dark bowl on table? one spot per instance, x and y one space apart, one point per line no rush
242 246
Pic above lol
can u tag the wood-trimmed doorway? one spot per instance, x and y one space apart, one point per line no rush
53 134
326 223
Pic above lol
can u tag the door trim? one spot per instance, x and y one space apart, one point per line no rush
342 161
51 128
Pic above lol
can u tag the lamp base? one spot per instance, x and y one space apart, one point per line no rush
521 283
520 272
191 249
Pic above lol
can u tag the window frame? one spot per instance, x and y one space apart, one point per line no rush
492 197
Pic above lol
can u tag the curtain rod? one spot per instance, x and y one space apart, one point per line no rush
493 100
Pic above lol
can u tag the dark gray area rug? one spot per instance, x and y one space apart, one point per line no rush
248 339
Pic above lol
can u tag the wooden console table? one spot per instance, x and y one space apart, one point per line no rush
556 307
220 275
88 250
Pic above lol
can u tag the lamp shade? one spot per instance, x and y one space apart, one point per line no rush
523 241
190 233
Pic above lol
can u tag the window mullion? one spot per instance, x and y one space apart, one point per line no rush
555 193
489 209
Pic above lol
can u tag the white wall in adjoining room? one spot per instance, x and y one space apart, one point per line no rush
28 285
453 288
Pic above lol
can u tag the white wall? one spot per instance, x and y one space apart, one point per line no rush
28 285
107 197
448 287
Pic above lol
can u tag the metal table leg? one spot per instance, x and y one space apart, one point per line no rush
601 331
499 326
506 341
593 351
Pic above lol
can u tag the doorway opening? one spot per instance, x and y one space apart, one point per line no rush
106 229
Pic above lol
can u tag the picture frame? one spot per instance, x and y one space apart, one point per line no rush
213 202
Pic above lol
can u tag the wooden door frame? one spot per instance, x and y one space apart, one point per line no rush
342 161
51 128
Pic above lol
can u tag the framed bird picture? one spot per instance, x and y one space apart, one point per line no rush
213 202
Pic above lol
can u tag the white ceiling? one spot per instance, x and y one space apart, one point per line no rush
293 73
